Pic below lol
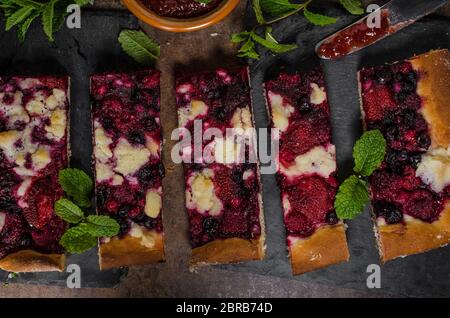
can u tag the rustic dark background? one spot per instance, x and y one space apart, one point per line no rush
172 279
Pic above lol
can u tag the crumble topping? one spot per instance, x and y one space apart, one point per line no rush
33 148
127 151
307 161
222 191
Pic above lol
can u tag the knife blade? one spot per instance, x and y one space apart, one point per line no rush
393 16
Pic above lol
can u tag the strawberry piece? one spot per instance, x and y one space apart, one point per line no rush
49 235
377 102
40 199
310 200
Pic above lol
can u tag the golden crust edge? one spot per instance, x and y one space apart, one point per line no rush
326 246
434 88
226 251
29 261
128 251
413 237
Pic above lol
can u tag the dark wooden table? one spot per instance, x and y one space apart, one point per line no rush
206 48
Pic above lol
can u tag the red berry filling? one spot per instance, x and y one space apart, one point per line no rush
126 108
308 198
391 104
33 114
235 185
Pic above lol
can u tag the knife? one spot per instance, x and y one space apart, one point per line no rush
393 16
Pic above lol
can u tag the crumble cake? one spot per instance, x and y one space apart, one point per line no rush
306 170
33 148
128 167
223 195
409 102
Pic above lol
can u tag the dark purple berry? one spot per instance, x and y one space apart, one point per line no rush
124 226
149 123
150 223
423 140
331 218
389 211
304 106
137 137
123 210
210 226
383 76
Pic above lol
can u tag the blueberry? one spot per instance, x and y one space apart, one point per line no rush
150 223
102 195
2 125
108 123
412 77
140 217
408 87
415 159
210 226
389 211
401 96
409 118
392 133
25 240
149 123
137 137
123 210
219 113
124 226
304 106
383 76
423 140
395 160
331 218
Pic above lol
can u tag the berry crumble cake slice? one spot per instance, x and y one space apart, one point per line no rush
409 102
306 170
223 190
128 167
33 148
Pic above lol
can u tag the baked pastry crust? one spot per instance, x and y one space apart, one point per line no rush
32 261
234 249
225 251
434 88
326 246
128 251
414 236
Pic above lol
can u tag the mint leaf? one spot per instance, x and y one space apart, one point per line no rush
82 3
68 211
352 6
239 37
26 25
271 45
351 198
258 12
17 17
318 19
369 152
203 1
248 50
28 3
48 15
278 7
77 240
139 46
102 226
78 185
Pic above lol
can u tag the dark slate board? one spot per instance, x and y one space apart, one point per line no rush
78 53
426 274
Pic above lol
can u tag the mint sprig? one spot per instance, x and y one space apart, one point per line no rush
353 6
278 10
22 13
139 46
84 232
369 152
78 186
